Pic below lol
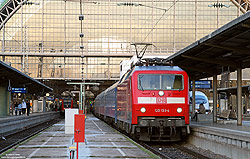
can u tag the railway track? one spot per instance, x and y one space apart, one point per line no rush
166 150
12 140
173 151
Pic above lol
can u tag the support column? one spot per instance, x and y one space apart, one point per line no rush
218 98
109 68
247 99
193 96
215 98
86 68
32 106
239 96
81 97
3 40
228 101
83 101
44 104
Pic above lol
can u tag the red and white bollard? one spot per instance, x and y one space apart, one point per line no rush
79 130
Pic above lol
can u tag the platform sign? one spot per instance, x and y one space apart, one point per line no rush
203 84
18 90
79 130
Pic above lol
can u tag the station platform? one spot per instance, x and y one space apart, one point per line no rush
12 124
225 138
101 142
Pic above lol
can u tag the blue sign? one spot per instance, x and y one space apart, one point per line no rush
50 98
18 90
206 84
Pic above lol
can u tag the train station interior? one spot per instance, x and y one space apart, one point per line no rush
62 54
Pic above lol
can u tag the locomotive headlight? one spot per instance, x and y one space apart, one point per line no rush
161 93
179 110
143 110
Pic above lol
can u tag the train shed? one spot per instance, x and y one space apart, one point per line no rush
224 50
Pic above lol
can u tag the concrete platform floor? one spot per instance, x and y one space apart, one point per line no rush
101 142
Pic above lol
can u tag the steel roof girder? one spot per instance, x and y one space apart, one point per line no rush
198 69
10 8
1 19
3 14
10 11
246 25
214 61
240 50
7 10
14 4
239 6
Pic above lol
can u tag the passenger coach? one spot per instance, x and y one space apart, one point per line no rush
149 102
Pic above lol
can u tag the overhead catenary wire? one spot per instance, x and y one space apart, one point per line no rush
165 11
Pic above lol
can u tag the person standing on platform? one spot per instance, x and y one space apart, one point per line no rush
20 108
24 106
16 107
28 107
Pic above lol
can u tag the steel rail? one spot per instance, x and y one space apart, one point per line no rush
191 152
29 136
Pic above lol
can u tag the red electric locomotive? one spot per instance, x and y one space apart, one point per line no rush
66 102
150 103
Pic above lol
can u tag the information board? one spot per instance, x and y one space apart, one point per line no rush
203 84
18 90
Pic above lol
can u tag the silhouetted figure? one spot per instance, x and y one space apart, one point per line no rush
28 107
16 107
20 108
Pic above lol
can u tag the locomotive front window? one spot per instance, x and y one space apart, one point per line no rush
160 82
172 82
149 82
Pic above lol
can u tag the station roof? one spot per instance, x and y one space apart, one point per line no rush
224 50
232 90
19 79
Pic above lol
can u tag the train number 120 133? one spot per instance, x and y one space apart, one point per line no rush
161 110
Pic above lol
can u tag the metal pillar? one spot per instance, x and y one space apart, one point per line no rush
215 98
229 102
81 106
87 69
239 96
44 104
174 22
109 68
32 106
84 99
3 40
247 100
196 21
193 96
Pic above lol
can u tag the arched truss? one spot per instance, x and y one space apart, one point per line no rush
243 5
9 9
